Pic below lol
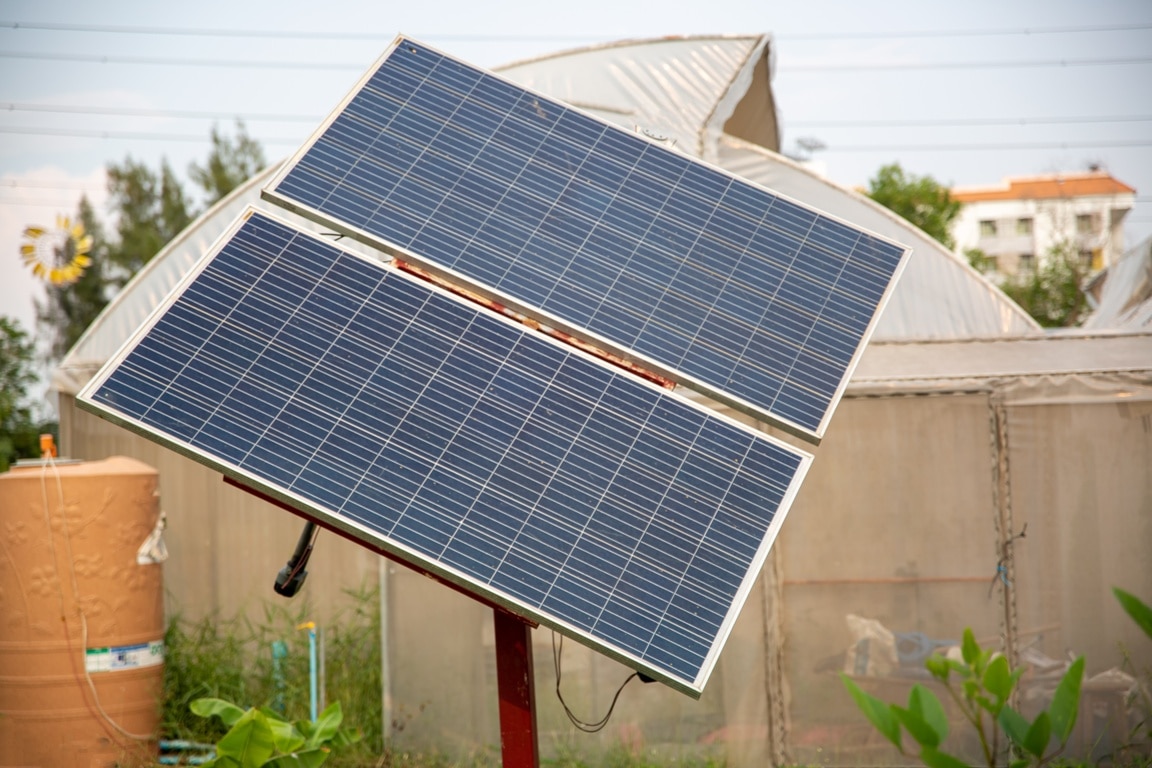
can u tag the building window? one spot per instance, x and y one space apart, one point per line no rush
1087 223
1024 226
987 228
1026 264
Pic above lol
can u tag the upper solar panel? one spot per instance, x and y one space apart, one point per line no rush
531 473
707 279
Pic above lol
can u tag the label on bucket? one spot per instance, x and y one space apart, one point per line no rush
124 657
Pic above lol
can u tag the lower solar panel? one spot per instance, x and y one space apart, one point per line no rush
531 474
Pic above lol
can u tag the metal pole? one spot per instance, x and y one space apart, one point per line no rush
311 627
517 690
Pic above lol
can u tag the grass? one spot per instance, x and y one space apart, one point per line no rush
232 659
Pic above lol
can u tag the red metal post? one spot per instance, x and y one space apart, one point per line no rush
517 690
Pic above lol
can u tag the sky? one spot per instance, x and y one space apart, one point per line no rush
968 93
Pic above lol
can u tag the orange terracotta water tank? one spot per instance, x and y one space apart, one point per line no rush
81 619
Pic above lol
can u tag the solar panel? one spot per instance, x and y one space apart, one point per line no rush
488 453
717 283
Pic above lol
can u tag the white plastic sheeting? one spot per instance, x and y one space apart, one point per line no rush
1125 299
698 91
685 89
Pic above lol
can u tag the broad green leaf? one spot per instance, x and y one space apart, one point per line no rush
272 714
937 666
309 758
228 712
998 680
1014 725
924 734
1022 762
1136 608
969 649
326 725
936 759
1038 736
876 711
924 703
220 762
250 741
346 736
1066 701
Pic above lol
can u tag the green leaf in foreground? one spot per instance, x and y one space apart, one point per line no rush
876 711
936 759
250 741
924 703
1039 733
1066 701
1136 608
228 712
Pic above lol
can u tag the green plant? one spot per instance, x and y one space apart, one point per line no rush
262 737
1141 734
980 686
231 659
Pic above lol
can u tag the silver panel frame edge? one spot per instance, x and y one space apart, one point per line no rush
694 688
272 195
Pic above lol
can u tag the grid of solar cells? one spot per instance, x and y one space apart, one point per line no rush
717 281
571 487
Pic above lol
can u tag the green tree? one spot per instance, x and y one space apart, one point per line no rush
19 429
919 199
229 165
1052 293
150 209
67 310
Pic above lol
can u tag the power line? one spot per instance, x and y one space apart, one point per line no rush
507 38
987 32
8 106
285 34
229 63
133 135
971 121
983 147
784 68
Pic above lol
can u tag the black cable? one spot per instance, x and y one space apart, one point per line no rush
586 727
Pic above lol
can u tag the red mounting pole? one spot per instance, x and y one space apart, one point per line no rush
517 690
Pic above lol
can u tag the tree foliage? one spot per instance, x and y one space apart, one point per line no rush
919 199
1053 292
148 207
229 165
19 429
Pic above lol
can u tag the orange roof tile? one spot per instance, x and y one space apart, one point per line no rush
1046 187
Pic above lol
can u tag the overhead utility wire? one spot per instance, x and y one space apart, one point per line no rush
98 134
971 121
135 135
980 147
230 63
492 38
10 106
784 68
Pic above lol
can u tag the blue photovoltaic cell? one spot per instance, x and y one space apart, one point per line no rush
719 283
472 446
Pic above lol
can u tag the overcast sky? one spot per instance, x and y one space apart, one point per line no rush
967 92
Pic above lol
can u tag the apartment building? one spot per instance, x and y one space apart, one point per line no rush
1020 221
